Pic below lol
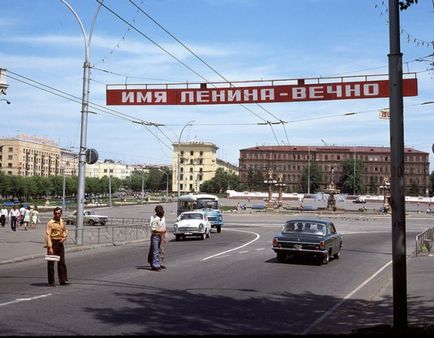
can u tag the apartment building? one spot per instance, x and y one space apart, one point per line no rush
291 161
26 155
108 168
197 163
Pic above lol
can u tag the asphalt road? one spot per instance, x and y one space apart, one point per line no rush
230 283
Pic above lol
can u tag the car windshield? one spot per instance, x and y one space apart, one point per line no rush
192 216
306 227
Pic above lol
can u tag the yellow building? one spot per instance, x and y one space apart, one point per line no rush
25 155
193 162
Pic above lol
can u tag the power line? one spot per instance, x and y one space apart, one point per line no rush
177 59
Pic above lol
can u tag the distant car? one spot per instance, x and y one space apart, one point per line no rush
316 238
90 217
360 200
192 223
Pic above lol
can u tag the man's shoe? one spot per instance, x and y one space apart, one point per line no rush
51 284
162 266
65 283
156 269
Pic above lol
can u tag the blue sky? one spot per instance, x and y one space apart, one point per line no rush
241 40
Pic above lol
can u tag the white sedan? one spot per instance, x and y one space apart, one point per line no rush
192 223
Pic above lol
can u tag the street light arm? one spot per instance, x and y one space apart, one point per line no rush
189 123
86 50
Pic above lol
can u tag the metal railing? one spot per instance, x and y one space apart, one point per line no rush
116 230
422 238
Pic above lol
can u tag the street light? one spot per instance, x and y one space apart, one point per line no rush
143 184
64 186
84 115
189 123
167 181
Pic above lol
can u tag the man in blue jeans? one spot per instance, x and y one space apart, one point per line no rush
158 228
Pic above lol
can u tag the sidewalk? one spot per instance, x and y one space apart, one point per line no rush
28 244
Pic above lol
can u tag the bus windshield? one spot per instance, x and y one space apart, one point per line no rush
197 202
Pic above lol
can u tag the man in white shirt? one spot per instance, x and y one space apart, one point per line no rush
14 215
3 215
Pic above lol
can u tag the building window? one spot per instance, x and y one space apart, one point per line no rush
201 153
191 177
191 170
191 153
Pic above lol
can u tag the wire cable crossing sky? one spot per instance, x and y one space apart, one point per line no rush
195 41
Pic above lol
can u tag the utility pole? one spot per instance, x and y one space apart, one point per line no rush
397 182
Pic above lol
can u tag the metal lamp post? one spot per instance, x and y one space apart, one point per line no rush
143 185
167 182
84 115
189 123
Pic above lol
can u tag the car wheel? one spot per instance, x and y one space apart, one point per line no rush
337 254
177 237
208 235
203 236
91 222
326 258
102 223
219 229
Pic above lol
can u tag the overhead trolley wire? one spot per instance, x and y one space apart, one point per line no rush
181 62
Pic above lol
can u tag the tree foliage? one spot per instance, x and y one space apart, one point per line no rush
311 176
351 179
221 182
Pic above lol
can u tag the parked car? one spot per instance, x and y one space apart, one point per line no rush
360 199
90 217
316 238
192 223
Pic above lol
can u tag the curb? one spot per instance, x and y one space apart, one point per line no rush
72 249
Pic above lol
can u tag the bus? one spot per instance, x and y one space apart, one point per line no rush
204 202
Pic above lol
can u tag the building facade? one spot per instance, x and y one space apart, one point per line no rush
108 168
194 162
25 155
291 162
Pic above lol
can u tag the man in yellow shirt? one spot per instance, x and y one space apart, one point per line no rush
55 234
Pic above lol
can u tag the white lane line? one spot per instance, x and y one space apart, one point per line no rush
239 247
18 300
325 315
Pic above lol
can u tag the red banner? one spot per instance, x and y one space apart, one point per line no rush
257 94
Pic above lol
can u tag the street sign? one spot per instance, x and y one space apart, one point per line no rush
293 91
91 156
384 114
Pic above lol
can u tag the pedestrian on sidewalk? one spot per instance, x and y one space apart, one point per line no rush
55 235
26 217
34 217
3 215
158 237
14 215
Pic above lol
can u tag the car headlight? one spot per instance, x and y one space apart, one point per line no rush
175 226
200 226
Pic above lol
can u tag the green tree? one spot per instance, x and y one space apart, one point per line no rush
221 181
351 179
431 179
413 190
255 180
315 178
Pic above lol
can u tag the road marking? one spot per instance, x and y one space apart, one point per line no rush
325 315
19 300
239 247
